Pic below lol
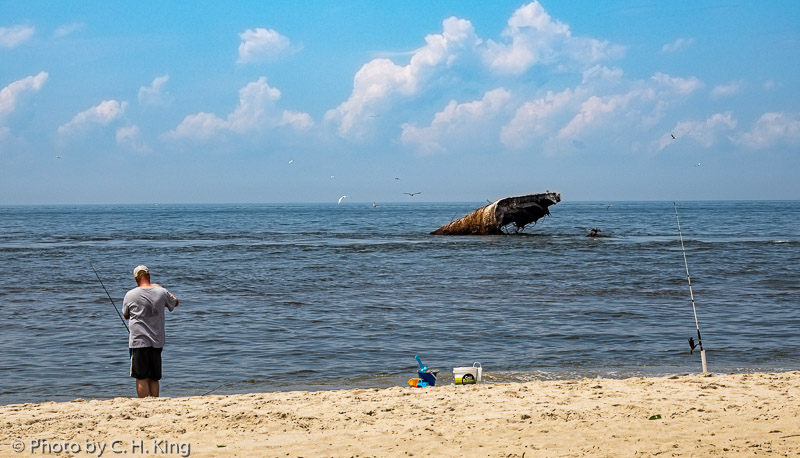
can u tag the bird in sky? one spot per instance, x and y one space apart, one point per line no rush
673 136
412 194
341 199
291 161
397 178
698 164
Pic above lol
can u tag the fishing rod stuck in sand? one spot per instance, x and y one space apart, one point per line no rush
692 343
109 297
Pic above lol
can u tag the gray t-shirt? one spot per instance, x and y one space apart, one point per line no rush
146 309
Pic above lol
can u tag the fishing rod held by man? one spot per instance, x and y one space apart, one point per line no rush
109 297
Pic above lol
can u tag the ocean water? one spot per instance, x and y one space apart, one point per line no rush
324 296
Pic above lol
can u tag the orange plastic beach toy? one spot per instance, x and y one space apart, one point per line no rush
414 382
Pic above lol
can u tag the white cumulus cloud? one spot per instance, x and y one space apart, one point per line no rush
596 110
256 102
298 120
103 114
603 103
772 129
727 90
9 95
682 86
381 79
539 117
533 37
199 126
68 29
260 45
602 73
256 112
11 37
678 45
705 133
130 137
155 93
456 122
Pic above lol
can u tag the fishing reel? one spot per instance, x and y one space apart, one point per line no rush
692 345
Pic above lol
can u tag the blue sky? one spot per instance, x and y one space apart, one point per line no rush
206 102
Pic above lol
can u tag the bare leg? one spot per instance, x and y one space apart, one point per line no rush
153 388
143 387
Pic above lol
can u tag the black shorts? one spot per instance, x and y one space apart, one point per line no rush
146 363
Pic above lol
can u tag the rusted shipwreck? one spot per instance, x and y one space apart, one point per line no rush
507 215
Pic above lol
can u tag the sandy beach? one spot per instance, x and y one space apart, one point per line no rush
685 415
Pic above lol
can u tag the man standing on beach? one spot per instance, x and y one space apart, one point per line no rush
144 307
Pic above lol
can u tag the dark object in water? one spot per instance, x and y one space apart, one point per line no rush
596 232
510 214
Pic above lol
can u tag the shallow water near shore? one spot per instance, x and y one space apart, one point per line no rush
321 296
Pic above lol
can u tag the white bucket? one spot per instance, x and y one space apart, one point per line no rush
468 375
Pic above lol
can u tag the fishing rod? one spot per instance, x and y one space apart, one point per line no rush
109 297
692 343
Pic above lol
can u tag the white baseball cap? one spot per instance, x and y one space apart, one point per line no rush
140 270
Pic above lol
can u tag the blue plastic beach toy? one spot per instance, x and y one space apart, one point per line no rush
428 376
422 368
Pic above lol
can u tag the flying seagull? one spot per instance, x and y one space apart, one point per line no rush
698 164
412 194
673 136
291 161
342 198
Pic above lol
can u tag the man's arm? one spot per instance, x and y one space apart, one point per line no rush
168 292
174 297
125 312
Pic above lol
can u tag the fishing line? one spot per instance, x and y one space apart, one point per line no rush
692 343
214 389
109 297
